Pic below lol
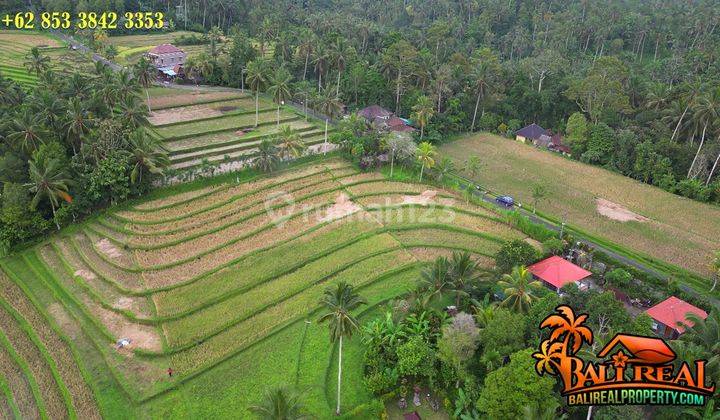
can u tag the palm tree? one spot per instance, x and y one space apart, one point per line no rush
340 53
422 112
328 103
280 404
147 154
289 142
472 166
426 153
518 286
321 62
306 48
706 334
146 74
715 267
257 77
483 71
463 271
268 157
539 192
707 112
27 130
125 84
36 62
48 180
707 413
132 111
78 122
436 280
280 88
339 301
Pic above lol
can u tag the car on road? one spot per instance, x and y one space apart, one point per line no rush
505 200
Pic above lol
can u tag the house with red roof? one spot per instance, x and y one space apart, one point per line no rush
166 55
556 272
670 317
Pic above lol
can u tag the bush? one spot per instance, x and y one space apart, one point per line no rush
515 253
693 188
619 278
553 246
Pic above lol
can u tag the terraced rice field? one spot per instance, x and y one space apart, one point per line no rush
15 46
216 281
218 126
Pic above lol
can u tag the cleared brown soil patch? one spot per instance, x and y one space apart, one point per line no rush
127 279
617 212
192 112
341 208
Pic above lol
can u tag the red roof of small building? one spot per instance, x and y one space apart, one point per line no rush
673 311
374 111
558 272
165 49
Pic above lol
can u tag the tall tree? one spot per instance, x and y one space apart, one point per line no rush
338 303
280 404
426 153
258 75
280 88
146 75
48 180
36 62
398 60
519 288
148 154
422 112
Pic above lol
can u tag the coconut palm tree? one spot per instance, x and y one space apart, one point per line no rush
423 111
48 180
707 112
146 74
715 267
36 62
436 280
339 302
340 53
78 122
463 271
327 103
280 404
706 334
147 155
426 153
702 413
321 62
518 287
27 131
472 166
258 74
268 156
306 47
289 142
280 88
132 111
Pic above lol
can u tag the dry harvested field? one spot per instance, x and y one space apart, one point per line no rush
206 278
632 214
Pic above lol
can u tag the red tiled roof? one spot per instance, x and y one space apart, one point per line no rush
374 111
165 49
558 272
672 311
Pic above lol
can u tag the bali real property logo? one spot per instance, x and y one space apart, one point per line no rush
630 369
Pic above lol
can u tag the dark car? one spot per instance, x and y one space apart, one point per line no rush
505 200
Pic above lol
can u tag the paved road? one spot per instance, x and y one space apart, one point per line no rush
488 198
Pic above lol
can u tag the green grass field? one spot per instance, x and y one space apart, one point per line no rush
672 229
211 280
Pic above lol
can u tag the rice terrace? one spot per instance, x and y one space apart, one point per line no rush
396 210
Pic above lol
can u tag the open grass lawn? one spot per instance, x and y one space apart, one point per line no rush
203 279
677 230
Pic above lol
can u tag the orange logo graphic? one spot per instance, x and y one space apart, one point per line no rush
636 369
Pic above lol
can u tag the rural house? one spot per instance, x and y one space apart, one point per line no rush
531 133
168 59
670 317
555 272
385 120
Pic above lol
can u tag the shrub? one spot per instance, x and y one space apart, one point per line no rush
416 358
693 188
515 253
619 278
553 246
